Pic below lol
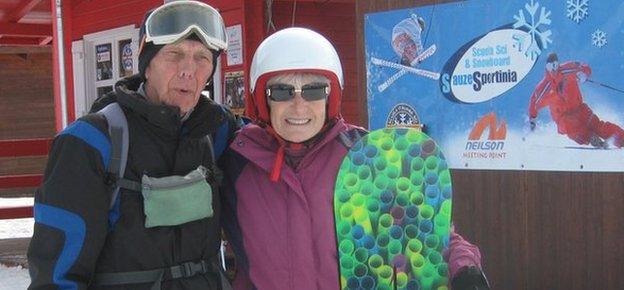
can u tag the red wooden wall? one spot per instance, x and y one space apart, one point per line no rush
94 16
26 112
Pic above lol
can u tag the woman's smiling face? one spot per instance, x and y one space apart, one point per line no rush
297 119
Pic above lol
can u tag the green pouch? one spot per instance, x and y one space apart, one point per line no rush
174 200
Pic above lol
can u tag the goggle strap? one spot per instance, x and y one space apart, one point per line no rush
142 43
211 42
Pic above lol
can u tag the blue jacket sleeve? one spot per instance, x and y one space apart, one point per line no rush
70 210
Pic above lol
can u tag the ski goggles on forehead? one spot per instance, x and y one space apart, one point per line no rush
309 92
177 20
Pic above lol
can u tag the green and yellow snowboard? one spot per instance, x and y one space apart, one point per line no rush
392 205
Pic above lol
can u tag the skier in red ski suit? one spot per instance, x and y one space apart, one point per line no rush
559 90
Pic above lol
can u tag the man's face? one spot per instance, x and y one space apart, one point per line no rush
178 73
297 120
552 67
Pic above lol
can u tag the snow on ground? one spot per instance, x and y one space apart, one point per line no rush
17 228
15 278
22 201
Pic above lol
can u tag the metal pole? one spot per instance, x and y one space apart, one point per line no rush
61 59
606 86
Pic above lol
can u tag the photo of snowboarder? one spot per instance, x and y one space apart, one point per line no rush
559 91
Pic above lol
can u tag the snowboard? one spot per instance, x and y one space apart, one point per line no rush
392 207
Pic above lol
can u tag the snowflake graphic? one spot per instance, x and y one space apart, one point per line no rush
577 10
534 29
599 38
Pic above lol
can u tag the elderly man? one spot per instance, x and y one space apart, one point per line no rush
157 225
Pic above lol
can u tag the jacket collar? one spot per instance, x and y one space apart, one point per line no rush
204 119
260 147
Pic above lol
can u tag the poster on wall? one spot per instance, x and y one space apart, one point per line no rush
234 91
125 58
103 62
235 45
505 85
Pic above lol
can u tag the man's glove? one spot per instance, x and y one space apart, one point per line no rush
532 124
470 278
581 76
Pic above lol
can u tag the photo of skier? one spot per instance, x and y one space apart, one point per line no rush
234 91
407 44
559 90
406 39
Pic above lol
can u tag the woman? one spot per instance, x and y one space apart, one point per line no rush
281 169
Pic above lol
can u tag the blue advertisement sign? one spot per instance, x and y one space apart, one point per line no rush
520 85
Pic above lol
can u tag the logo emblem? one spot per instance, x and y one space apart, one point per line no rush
491 148
403 115
489 121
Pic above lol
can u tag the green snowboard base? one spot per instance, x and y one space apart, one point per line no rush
392 205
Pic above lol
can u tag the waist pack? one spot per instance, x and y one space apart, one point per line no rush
175 200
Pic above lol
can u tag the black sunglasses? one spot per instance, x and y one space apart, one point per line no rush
309 92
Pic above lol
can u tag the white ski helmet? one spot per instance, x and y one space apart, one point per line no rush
293 49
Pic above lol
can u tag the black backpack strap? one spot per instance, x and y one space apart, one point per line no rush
350 137
156 276
129 184
217 174
220 140
133 277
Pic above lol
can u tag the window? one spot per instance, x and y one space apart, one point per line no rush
106 57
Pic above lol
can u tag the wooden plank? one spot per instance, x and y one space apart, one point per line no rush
22 165
20 10
25 147
17 212
13 252
21 29
45 40
24 180
25 50
19 41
